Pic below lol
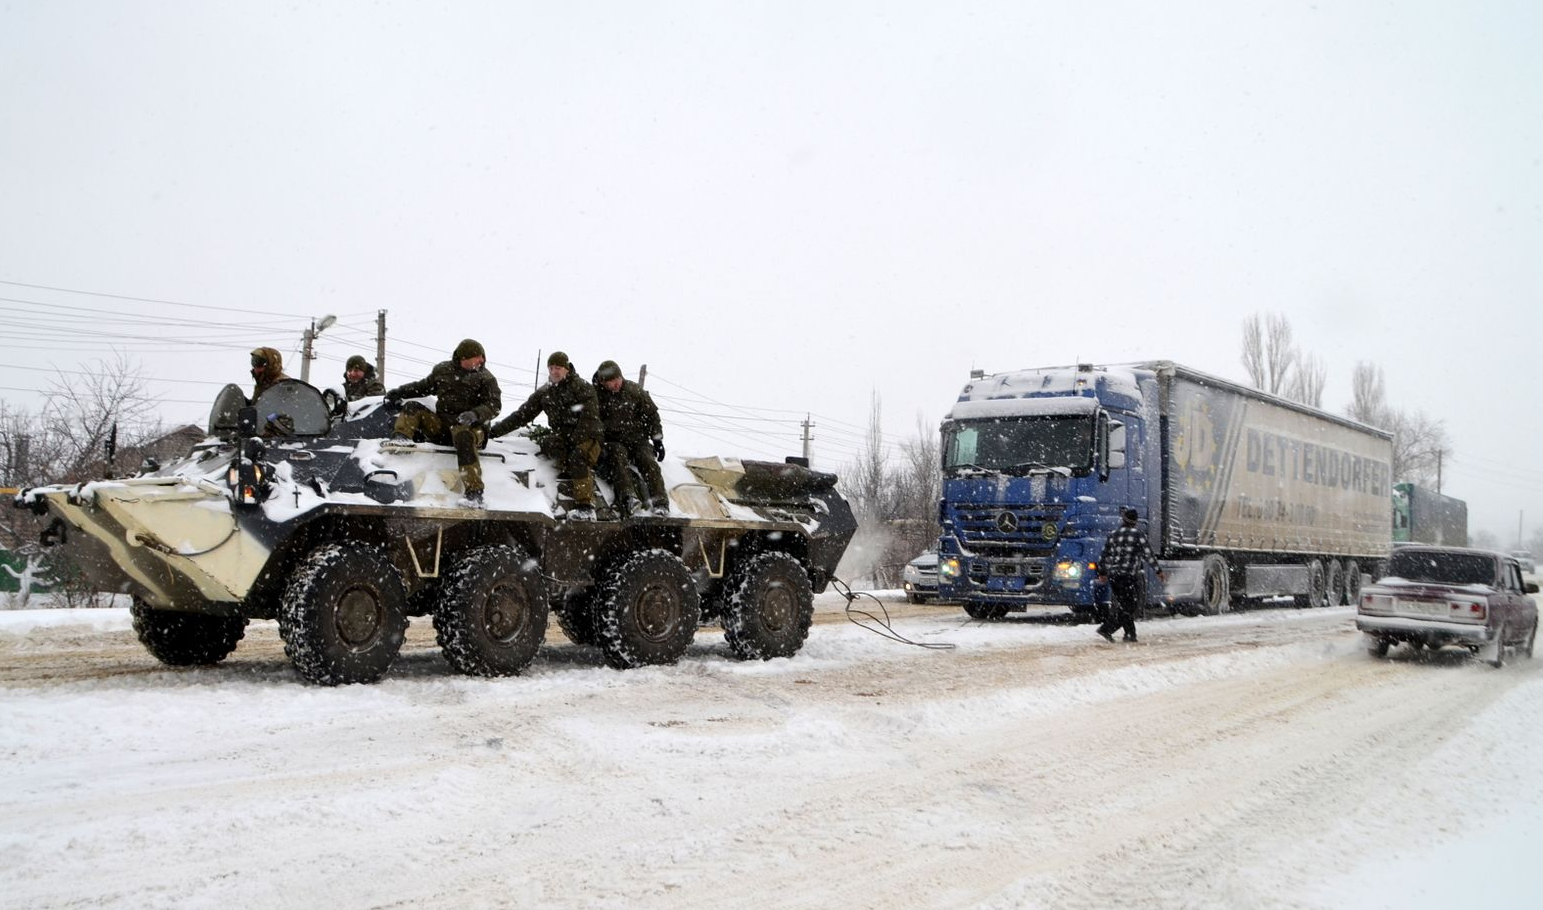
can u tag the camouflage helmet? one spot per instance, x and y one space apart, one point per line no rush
357 362
468 348
608 371
559 359
268 357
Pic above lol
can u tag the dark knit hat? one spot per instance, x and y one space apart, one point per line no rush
468 348
608 371
356 362
1130 515
559 359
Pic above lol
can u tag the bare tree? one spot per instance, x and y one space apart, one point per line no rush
1368 394
63 443
1419 442
896 505
1307 380
1269 353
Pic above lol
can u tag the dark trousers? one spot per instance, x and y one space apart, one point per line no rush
1125 593
614 462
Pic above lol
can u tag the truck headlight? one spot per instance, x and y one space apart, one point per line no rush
948 568
1068 572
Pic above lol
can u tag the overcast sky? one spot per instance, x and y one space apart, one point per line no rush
786 207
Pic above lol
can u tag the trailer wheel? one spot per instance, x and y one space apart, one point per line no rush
1352 582
180 639
1215 585
648 610
576 616
1334 583
343 615
985 612
1315 586
769 608
491 616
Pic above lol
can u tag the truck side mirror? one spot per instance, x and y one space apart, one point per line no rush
1116 444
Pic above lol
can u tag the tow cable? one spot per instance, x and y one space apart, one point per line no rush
880 626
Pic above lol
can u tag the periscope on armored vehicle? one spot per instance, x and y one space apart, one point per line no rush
307 518
1242 494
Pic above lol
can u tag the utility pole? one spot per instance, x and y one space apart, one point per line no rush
380 345
1438 470
807 425
642 375
306 353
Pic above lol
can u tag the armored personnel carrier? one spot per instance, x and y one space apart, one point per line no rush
308 516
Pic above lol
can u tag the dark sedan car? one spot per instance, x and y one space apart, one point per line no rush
1437 596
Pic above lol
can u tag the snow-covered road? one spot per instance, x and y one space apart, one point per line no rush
1253 760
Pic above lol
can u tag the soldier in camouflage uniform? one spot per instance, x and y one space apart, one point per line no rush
633 435
359 379
267 370
573 414
468 398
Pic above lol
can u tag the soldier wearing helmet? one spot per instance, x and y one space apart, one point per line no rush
359 379
573 414
633 436
467 398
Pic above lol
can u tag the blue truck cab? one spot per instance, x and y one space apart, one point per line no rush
1037 466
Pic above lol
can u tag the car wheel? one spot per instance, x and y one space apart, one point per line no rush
913 598
1526 649
1378 647
1498 660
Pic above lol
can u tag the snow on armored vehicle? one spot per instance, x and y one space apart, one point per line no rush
313 519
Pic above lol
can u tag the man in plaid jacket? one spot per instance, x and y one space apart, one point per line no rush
1123 567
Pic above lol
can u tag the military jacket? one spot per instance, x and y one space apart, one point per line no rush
629 414
364 388
458 390
570 406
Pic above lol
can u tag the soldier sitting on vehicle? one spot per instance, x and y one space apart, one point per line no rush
359 379
573 414
468 397
633 436
267 370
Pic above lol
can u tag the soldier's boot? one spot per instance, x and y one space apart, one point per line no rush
583 499
661 508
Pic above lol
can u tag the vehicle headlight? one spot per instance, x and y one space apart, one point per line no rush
948 568
1068 572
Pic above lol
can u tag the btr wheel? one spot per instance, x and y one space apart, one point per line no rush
181 639
343 615
1334 583
648 610
1215 586
770 607
576 616
491 616
985 612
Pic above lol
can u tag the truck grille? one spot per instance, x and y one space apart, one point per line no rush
1016 529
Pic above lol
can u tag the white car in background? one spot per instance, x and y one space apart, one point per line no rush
1525 558
921 578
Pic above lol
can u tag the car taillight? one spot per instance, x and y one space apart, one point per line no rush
1466 609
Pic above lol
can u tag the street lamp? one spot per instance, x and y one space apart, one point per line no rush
306 354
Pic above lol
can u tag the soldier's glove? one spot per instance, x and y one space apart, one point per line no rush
658 449
467 418
394 396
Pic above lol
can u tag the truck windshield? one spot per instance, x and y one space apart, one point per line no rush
1445 568
1018 445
